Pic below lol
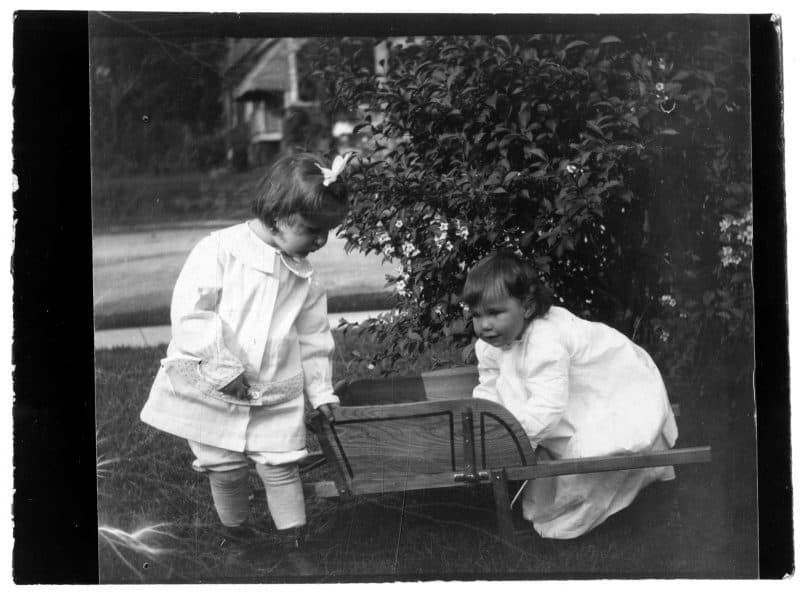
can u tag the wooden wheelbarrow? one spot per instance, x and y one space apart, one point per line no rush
426 432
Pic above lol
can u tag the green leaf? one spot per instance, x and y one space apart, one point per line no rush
467 353
682 75
668 132
524 116
595 128
610 39
575 44
538 152
492 100
527 239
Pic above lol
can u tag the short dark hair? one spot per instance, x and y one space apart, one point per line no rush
503 274
293 186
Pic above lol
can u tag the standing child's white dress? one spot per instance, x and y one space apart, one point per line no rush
579 389
240 306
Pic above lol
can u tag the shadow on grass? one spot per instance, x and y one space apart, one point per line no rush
701 525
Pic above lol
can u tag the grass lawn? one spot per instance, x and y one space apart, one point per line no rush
158 525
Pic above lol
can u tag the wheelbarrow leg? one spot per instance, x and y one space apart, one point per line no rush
502 506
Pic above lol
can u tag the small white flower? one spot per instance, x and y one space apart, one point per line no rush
370 366
728 258
746 235
449 246
664 336
725 223
409 250
571 168
462 265
398 223
668 300
440 239
659 86
461 229
662 64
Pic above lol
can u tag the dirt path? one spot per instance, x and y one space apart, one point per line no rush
135 271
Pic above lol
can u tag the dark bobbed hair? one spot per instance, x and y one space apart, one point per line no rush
293 186
503 274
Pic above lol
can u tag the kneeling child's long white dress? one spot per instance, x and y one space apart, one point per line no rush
579 389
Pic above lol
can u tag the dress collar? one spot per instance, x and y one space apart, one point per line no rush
241 242
297 265
244 244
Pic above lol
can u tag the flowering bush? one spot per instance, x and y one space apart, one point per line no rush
605 162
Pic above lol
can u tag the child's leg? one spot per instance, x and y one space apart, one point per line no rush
284 494
227 475
231 495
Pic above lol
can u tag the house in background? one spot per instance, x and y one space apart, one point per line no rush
260 88
270 105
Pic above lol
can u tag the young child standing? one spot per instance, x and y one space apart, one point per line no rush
250 337
578 389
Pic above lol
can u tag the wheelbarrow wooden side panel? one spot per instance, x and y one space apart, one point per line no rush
380 448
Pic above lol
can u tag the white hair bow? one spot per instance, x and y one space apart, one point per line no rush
339 163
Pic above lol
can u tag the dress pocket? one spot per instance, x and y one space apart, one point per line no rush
187 380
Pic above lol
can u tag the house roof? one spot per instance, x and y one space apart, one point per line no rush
269 74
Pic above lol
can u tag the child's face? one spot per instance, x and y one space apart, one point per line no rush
302 235
500 321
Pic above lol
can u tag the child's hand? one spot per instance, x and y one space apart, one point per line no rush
327 410
237 388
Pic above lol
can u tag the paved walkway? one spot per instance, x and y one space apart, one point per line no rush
154 336
136 270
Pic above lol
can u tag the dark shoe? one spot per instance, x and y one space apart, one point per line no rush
237 539
295 545
288 547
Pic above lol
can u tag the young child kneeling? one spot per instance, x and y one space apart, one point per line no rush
250 336
578 389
